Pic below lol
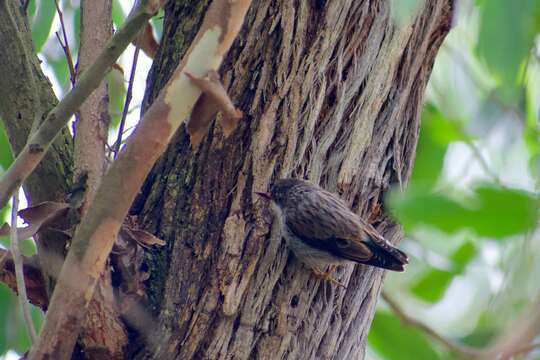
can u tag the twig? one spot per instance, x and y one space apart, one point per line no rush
483 163
504 349
39 142
19 272
65 45
98 229
524 350
125 110
463 351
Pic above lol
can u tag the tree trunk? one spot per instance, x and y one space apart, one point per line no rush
331 91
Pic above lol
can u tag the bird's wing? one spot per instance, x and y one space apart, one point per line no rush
324 221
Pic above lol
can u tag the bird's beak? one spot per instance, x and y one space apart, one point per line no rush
264 195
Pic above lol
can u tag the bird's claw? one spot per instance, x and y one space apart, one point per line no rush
326 276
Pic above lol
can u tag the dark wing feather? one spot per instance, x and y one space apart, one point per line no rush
324 221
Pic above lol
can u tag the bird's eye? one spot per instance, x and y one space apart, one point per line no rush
342 243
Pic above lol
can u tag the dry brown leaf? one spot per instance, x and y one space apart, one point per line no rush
37 217
203 112
214 98
118 68
141 237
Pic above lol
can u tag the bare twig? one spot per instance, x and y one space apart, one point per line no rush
19 272
99 228
514 342
39 142
129 94
483 163
65 45
463 351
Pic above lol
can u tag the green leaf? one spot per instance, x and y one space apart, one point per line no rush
6 157
503 212
433 284
506 36
117 94
395 341
4 315
61 71
42 22
419 206
491 211
463 256
31 9
429 154
118 15
77 28
157 24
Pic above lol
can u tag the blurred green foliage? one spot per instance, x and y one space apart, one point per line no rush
470 210
394 340
472 233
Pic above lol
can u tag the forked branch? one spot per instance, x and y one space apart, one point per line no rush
98 229
39 142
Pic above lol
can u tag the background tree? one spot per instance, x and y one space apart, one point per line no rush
330 91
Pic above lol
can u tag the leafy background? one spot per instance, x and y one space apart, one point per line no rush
470 211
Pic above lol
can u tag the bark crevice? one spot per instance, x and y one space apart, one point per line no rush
337 103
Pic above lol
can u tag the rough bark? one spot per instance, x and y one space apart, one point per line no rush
26 96
103 331
93 116
331 91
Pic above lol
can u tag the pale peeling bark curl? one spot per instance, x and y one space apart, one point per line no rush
213 99
98 229
37 145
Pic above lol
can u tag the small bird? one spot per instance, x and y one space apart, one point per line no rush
321 230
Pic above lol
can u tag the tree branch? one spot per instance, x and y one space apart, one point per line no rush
516 340
104 334
97 232
463 351
19 273
93 117
65 45
39 142
129 92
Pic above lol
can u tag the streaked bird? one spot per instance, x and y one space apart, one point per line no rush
321 230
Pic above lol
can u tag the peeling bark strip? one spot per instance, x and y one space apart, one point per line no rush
56 120
97 232
332 92
213 99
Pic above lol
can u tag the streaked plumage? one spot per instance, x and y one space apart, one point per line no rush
321 229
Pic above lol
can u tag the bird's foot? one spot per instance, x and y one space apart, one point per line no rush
327 276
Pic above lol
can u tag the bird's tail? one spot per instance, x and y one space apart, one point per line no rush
386 256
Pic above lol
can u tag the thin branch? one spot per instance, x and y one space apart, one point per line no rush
483 163
125 110
524 350
99 228
65 45
463 351
508 346
39 142
19 272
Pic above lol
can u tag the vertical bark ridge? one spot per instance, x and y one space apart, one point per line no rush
331 91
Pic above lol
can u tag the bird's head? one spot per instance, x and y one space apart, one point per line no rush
280 190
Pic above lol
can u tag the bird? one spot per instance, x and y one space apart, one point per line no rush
323 232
